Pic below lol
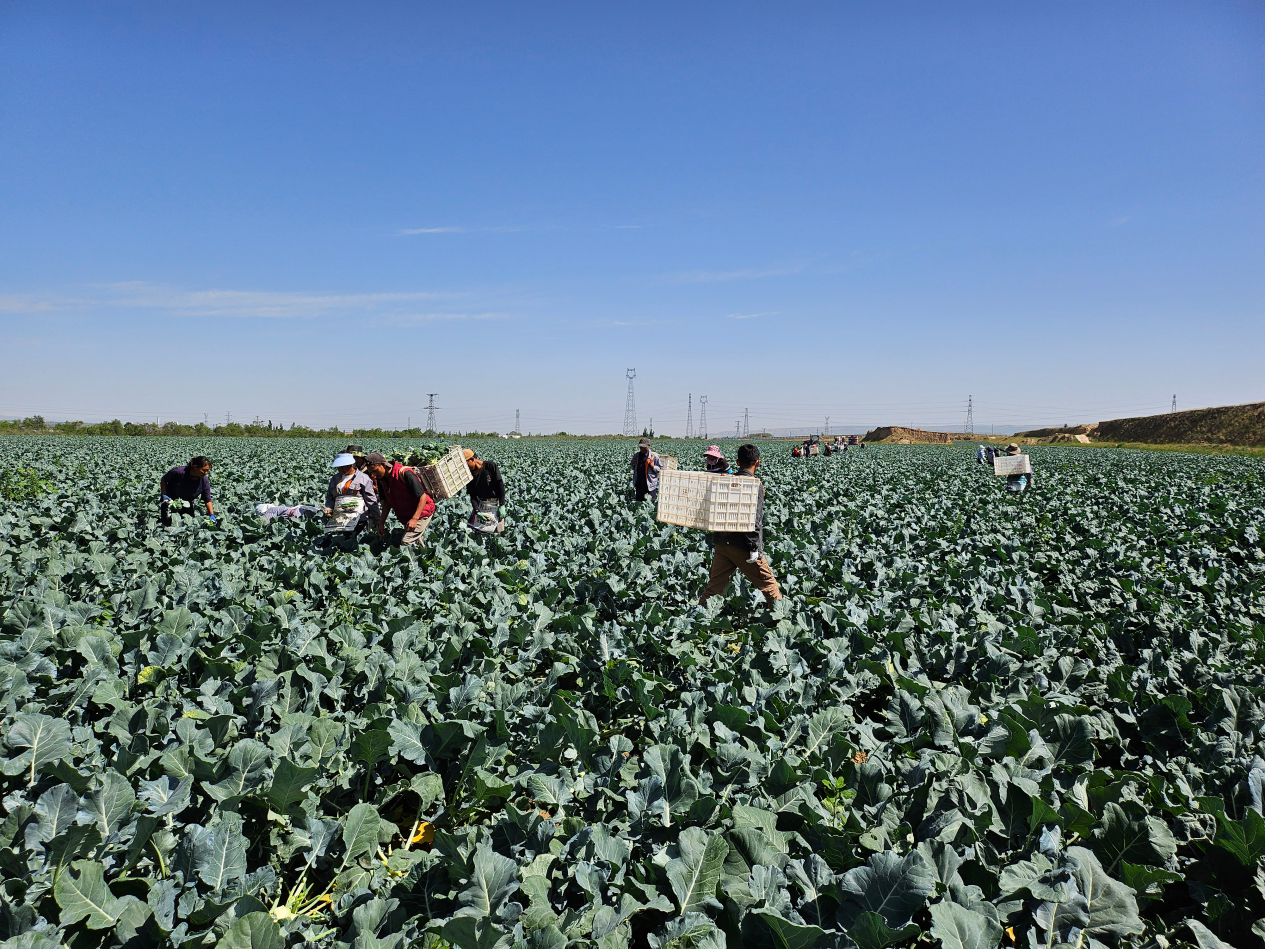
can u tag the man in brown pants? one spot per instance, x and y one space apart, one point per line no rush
743 551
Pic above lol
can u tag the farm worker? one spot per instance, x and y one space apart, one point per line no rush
979 455
645 468
350 482
487 494
795 452
186 483
400 489
714 459
989 454
357 452
743 551
1017 482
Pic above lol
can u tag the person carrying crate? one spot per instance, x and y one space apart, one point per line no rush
400 489
646 466
1018 483
487 494
742 551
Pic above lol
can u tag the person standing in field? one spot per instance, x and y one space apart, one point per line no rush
646 466
186 483
487 494
400 489
1018 483
742 551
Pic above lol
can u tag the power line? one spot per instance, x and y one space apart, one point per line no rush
630 407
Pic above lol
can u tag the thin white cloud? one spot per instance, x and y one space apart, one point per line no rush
411 306
1119 221
502 229
717 276
258 303
751 316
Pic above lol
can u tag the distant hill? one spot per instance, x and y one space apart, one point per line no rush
1222 425
895 435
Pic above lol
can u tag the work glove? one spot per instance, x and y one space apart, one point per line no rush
500 513
753 556
212 519
165 499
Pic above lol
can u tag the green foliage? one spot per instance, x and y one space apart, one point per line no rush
22 484
975 719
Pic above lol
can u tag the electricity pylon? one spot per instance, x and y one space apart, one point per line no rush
630 407
970 415
689 417
702 416
517 423
746 423
430 413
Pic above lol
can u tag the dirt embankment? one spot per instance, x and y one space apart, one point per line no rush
895 435
1222 425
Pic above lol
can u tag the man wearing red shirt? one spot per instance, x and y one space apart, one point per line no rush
400 490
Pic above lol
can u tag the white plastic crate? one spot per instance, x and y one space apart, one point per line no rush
669 463
709 502
1012 465
447 476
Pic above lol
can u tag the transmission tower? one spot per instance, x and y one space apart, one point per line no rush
1174 408
970 415
702 416
827 426
689 417
630 408
430 413
517 423
737 428
746 423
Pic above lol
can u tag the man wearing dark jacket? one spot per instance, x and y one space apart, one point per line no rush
487 494
743 551
186 483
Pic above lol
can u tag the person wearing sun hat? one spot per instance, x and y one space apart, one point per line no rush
714 458
1018 482
347 487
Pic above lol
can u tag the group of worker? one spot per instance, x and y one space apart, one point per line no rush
732 552
364 490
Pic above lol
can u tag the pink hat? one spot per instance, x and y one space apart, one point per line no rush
714 451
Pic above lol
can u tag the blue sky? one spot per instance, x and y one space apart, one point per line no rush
321 212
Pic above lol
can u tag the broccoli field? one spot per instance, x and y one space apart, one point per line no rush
976 720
